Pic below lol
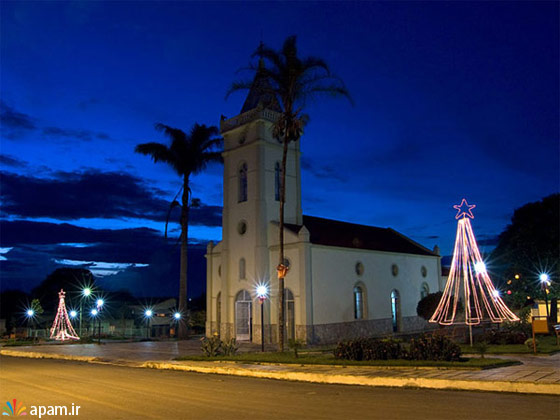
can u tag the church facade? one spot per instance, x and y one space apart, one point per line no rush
345 280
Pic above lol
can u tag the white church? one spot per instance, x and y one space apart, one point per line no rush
345 280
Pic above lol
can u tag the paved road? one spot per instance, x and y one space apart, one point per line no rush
111 392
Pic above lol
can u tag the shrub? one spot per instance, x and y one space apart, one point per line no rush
433 347
481 347
229 347
212 346
506 335
369 349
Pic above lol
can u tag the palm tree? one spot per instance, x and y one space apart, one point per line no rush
188 155
292 81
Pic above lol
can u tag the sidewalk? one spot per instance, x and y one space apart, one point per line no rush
536 374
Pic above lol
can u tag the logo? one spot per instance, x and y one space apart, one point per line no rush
14 409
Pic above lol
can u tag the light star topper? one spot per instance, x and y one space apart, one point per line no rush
464 209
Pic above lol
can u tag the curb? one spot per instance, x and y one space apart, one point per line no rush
38 355
314 377
349 379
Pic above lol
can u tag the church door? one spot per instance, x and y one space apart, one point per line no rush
243 319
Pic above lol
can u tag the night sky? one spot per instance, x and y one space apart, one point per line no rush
451 100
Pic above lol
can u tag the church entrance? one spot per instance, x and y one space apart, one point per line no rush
243 316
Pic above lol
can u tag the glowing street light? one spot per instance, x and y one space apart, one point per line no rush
545 282
94 312
73 314
100 303
148 313
86 293
262 294
496 293
30 313
177 315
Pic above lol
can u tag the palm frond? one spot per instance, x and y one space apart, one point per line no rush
237 86
171 132
158 151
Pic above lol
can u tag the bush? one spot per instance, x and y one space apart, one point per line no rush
295 345
434 347
506 335
229 347
212 346
369 349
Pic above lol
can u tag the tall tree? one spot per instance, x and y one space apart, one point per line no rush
188 154
529 246
292 80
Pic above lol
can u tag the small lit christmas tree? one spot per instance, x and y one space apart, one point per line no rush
469 281
62 329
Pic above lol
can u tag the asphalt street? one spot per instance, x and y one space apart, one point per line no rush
113 392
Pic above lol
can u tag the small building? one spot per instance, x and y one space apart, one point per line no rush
345 280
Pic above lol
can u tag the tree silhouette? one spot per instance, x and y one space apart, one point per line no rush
188 154
292 80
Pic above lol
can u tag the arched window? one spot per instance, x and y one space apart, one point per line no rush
359 302
242 178
290 314
242 269
424 290
277 173
395 310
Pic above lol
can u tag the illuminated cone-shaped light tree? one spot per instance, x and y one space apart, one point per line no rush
62 329
469 281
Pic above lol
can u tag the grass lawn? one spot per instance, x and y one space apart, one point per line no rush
328 359
547 345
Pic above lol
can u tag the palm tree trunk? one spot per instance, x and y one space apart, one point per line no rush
182 334
281 306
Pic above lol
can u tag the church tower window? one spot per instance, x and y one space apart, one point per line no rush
242 269
359 302
242 195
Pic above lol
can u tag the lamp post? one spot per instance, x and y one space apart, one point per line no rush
148 314
177 318
86 292
262 293
99 304
94 313
30 313
545 282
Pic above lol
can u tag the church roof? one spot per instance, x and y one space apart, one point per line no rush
349 235
259 94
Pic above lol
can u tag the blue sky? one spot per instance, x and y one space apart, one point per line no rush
451 100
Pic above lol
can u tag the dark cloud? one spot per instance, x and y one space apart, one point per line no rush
92 194
14 123
38 248
86 135
8 160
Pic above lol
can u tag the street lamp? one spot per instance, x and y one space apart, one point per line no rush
86 292
30 313
545 282
73 314
148 314
262 293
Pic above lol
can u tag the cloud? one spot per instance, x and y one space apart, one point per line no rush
86 135
139 259
7 160
14 123
92 194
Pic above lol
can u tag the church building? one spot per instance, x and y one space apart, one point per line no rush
345 280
